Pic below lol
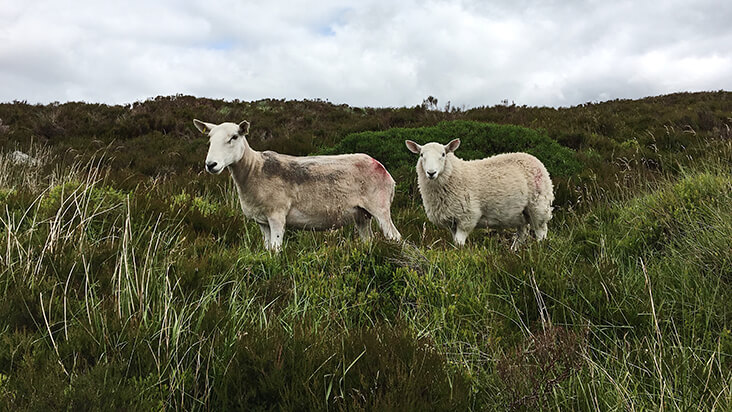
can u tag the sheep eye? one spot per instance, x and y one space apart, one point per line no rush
234 137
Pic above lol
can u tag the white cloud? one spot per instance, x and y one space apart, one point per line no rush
367 53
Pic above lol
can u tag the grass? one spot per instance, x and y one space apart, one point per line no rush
161 296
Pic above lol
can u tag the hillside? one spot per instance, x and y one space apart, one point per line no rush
130 280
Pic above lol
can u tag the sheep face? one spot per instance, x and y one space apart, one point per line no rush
227 143
432 156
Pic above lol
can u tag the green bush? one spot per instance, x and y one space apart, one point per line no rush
478 140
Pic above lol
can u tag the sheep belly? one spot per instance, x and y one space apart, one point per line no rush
503 212
503 221
321 219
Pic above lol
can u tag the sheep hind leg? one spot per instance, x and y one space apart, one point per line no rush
521 234
539 217
541 232
363 224
265 234
380 207
460 236
383 217
387 227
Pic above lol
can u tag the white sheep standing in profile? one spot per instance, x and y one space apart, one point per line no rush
310 192
510 190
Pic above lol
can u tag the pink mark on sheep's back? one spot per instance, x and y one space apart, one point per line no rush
379 168
538 178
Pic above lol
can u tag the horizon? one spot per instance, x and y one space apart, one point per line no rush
440 106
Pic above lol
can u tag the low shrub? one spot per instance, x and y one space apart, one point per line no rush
478 140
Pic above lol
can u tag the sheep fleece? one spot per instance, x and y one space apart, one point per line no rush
491 192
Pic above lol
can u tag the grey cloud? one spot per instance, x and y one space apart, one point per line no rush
367 53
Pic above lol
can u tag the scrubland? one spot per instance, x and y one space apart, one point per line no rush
130 280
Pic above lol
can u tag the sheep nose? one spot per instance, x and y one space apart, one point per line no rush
431 175
210 166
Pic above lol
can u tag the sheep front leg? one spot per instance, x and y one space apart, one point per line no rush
461 234
276 232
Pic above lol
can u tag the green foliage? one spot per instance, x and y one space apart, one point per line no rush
199 204
381 368
135 283
80 195
654 221
5 194
530 372
478 140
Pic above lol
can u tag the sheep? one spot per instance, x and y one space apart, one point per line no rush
312 192
510 190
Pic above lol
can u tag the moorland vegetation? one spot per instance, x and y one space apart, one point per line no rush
130 280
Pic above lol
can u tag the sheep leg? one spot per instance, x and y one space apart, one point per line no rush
541 232
390 231
521 234
265 234
460 235
363 224
387 226
277 232
364 230
540 216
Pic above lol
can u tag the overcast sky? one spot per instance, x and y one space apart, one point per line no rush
363 53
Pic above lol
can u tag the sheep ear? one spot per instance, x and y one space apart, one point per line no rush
203 127
243 128
452 146
413 147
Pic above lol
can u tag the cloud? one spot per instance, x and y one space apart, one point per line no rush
364 53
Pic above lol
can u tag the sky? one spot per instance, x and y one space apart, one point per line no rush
374 53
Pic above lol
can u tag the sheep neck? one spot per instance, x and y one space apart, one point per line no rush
439 195
244 171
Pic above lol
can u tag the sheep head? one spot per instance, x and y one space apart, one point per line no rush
227 143
432 156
